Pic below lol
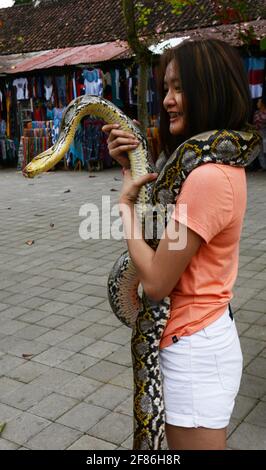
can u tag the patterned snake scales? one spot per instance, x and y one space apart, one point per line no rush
146 318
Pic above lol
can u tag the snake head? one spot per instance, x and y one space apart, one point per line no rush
41 163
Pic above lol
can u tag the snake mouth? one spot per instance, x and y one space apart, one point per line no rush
29 171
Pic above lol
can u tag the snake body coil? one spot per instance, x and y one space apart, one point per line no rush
146 318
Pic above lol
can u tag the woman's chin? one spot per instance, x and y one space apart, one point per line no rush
176 126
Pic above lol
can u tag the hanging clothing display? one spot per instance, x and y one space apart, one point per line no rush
46 94
21 85
256 75
93 82
37 137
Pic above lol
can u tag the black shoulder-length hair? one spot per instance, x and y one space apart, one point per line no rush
215 89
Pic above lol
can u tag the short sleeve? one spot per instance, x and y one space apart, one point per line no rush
205 204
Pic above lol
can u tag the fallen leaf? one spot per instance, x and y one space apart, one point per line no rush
67 191
8 208
29 242
38 215
113 189
92 176
117 179
27 356
51 225
2 427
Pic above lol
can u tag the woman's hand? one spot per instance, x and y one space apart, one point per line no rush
119 143
131 188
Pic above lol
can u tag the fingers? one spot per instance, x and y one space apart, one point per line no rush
115 132
142 179
120 143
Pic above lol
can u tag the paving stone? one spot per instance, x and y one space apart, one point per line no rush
80 387
94 315
33 316
122 356
257 332
53 306
75 326
3 307
104 371
255 305
125 379
31 332
54 379
18 346
243 406
121 426
9 362
7 445
252 386
8 412
53 406
53 321
54 437
261 321
257 367
110 320
27 372
83 416
90 301
126 407
13 312
22 427
54 337
108 396
97 331
258 415
100 349
242 327
76 343
78 363
91 443
12 326
60 284
121 335
25 396
74 311
53 356
97 291
251 346
246 316
248 437
7 385
232 426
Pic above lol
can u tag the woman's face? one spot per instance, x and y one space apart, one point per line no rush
173 101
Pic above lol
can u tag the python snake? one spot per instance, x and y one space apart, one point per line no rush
146 318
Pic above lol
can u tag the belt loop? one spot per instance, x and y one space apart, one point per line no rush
230 312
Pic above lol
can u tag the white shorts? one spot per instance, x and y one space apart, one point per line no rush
201 376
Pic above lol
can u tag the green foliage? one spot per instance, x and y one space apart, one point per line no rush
179 6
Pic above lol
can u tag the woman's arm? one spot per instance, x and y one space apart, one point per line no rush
160 270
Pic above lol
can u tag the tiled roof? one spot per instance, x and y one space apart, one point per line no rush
90 54
68 23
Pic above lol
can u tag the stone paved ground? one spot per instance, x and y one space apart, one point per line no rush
74 389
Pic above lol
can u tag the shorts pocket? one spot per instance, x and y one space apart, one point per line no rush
230 364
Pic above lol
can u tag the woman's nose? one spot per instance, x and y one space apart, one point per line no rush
169 99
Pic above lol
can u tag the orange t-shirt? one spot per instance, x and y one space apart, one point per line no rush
215 196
